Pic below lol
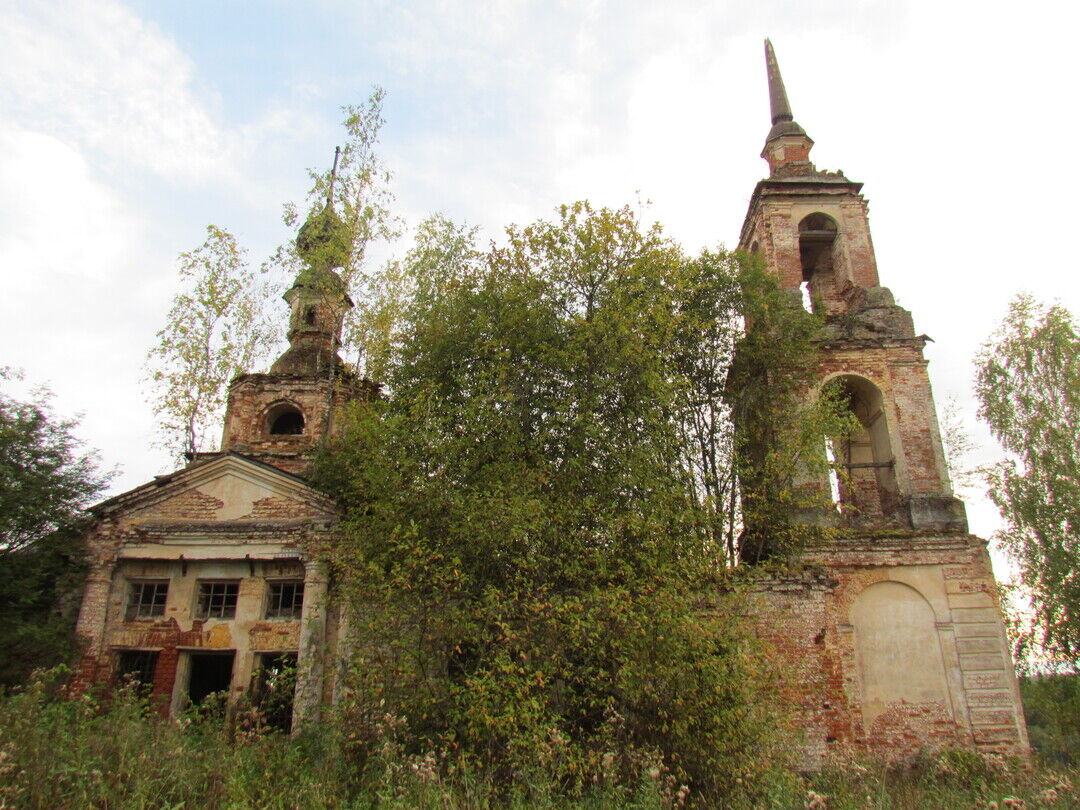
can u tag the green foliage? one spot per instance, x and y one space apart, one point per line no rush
46 480
1052 711
1028 385
57 752
958 779
349 211
217 328
534 551
60 752
782 428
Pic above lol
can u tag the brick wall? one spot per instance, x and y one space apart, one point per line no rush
811 619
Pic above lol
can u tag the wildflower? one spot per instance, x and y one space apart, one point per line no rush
1048 796
681 794
816 801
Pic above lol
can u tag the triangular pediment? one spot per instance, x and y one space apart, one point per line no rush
229 488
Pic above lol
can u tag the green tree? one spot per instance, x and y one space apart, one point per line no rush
530 544
781 421
217 327
1028 385
46 480
352 200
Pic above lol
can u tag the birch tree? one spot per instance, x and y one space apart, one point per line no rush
1028 386
217 327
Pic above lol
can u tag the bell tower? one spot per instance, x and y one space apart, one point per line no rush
892 635
280 417
812 230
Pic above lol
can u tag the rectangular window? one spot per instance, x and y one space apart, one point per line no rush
286 600
146 600
217 600
137 668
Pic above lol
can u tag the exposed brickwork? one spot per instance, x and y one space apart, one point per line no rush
254 397
190 505
808 619
278 508
171 530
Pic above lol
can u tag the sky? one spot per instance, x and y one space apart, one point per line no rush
127 127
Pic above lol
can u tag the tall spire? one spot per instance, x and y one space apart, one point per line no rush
333 178
787 144
778 101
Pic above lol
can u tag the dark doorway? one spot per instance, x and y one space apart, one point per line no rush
273 688
210 672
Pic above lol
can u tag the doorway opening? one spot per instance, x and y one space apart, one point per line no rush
210 673
274 688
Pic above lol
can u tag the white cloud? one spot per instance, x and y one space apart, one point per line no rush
94 74
55 219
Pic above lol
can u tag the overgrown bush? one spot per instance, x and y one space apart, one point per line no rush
535 553
76 752
1052 709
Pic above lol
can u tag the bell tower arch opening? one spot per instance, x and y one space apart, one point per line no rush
817 241
865 462
284 419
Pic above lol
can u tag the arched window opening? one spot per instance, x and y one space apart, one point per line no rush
309 316
285 420
864 462
817 237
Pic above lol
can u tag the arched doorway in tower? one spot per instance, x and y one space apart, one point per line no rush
865 479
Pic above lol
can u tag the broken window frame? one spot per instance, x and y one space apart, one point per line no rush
277 607
217 598
139 606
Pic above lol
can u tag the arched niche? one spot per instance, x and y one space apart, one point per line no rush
866 483
284 419
897 650
818 235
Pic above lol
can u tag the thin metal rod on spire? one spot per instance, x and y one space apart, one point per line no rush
778 100
333 177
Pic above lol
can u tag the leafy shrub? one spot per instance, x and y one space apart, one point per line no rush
1052 709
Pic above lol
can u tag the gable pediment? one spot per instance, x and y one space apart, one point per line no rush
227 489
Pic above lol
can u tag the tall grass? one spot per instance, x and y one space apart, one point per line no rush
58 751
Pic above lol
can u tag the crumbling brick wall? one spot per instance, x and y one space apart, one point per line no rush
810 616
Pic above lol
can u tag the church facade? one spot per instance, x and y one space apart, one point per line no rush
206 580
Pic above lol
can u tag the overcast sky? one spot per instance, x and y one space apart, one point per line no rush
126 127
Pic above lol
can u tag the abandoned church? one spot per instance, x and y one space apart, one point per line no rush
203 580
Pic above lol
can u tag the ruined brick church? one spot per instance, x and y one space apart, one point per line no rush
203 580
